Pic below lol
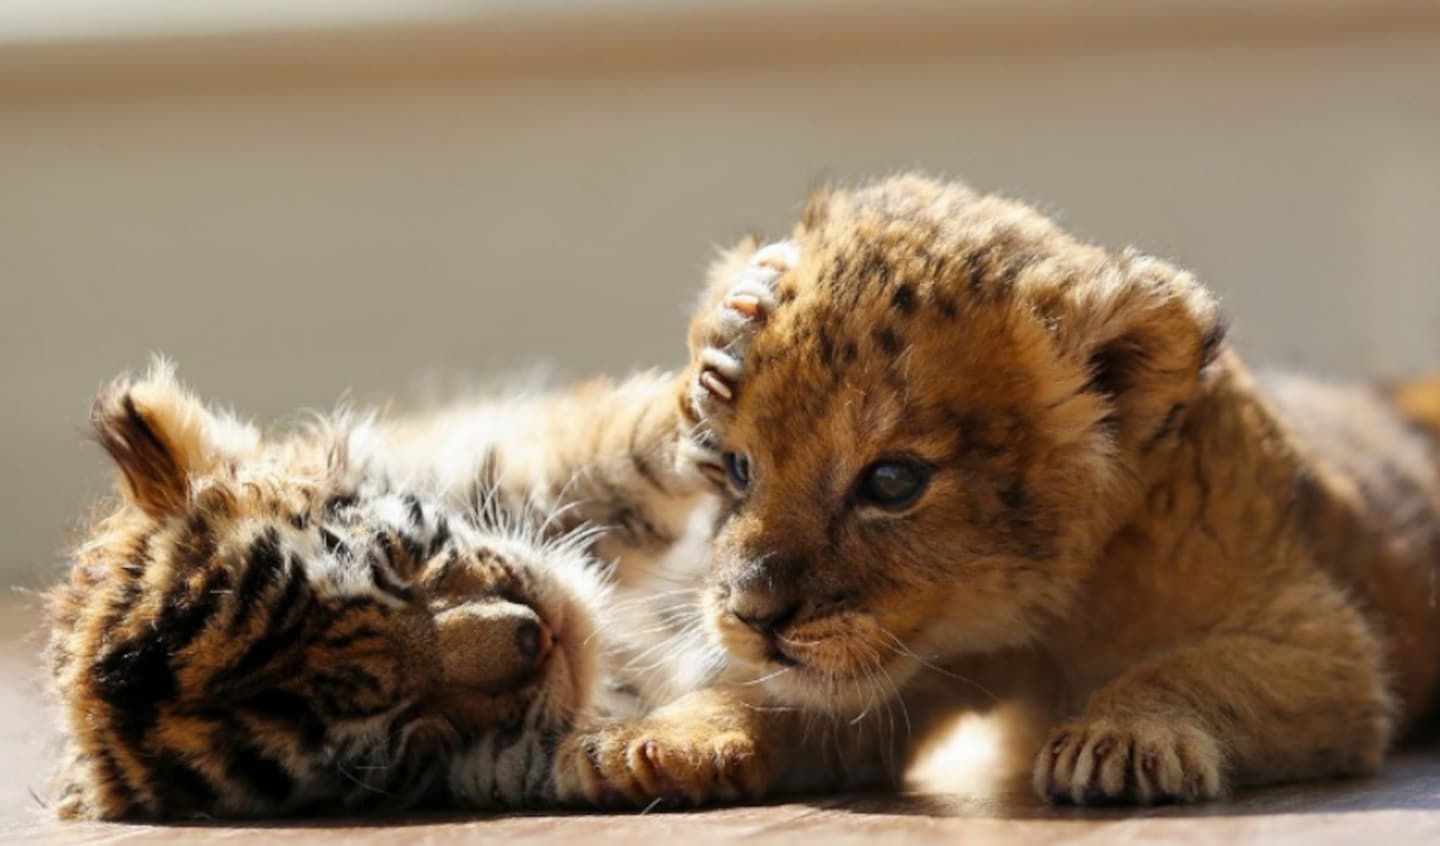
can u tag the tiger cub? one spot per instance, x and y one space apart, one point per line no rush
362 613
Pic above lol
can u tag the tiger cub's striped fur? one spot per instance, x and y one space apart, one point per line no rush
357 613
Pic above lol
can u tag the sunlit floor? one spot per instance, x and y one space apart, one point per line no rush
961 795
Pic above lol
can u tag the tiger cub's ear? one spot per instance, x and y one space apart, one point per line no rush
162 438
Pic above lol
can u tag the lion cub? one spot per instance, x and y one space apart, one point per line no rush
970 459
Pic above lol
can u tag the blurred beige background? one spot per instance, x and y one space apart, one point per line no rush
299 199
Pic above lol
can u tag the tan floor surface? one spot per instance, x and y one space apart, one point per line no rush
1400 806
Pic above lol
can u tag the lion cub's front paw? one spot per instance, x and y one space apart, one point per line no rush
1101 761
640 763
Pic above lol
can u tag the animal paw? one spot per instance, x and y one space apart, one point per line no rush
722 337
653 761
1103 761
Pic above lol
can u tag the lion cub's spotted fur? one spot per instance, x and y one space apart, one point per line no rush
1208 580
1203 579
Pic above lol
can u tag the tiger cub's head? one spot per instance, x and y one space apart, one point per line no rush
265 626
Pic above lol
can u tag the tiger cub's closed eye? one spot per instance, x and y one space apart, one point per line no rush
892 483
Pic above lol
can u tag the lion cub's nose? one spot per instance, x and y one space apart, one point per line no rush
496 645
764 614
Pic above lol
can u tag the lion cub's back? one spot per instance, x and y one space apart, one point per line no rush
1368 500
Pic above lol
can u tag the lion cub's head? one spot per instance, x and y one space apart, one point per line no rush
942 418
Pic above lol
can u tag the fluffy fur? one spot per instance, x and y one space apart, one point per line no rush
1198 579
1203 580
362 613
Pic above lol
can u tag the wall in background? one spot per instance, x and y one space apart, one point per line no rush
369 228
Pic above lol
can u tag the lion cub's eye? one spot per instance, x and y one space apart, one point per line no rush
893 483
737 467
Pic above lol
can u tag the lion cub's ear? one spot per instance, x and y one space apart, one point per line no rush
162 438
1143 330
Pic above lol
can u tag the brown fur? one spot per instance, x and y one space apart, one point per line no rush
1419 401
1208 581
350 615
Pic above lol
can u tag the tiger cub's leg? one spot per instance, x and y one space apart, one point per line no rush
607 458
625 466
725 744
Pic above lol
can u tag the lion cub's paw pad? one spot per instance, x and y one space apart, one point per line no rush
1110 761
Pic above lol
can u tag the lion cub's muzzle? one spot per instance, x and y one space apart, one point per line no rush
762 622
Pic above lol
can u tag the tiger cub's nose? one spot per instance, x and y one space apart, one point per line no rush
496 645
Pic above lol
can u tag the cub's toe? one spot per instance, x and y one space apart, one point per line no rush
639 765
1109 761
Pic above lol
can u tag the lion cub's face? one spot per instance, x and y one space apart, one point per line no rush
938 423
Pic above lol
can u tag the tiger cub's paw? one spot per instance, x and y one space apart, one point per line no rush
658 762
1103 761
717 364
